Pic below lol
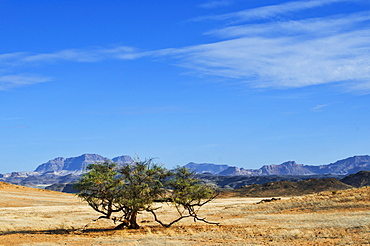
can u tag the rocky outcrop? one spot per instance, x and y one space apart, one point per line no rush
63 187
206 167
359 179
76 164
236 171
123 159
56 164
18 177
286 168
287 188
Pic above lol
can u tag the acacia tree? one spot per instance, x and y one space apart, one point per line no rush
188 195
99 186
121 192
127 190
140 184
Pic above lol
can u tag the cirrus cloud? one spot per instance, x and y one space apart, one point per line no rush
8 82
331 49
287 53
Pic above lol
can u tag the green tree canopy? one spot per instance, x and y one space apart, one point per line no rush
120 192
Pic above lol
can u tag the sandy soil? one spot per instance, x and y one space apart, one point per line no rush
40 217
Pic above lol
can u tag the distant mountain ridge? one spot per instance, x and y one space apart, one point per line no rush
346 166
77 164
65 170
206 167
59 170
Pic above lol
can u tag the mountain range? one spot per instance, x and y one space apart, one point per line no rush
59 170
65 170
346 166
78 164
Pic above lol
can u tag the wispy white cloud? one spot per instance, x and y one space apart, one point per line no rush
10 61
283 54
313 27
320 107
90 55
286 54
272 10
215 4
8 82
70 55
283 61
10 56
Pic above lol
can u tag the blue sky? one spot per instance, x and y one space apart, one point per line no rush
238 82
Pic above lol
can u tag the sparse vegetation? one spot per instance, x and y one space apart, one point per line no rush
120 193
287 188
40 217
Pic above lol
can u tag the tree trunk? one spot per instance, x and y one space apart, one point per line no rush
132 221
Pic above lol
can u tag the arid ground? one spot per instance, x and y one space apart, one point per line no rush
40 217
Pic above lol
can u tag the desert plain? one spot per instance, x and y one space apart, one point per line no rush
30 216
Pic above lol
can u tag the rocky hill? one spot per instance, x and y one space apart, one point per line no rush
287 168
63 187
235 182
359 179
206 167
287 188
236 171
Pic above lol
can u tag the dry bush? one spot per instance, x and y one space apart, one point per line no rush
358 199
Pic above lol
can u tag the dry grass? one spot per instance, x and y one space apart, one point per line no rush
39 217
